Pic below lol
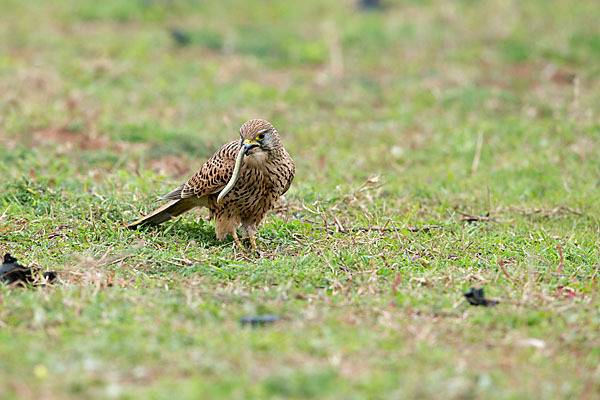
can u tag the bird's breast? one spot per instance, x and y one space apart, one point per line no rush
256 160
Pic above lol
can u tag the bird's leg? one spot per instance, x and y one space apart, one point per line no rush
252 243
237 240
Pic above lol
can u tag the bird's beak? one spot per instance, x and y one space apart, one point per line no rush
249 144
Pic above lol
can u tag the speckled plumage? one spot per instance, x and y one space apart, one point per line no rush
265 174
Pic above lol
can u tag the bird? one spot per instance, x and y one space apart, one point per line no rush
239 184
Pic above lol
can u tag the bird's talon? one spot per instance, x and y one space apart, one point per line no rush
252 244
237 241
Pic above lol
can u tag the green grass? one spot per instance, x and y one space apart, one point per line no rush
475 120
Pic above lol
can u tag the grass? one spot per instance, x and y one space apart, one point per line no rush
439 146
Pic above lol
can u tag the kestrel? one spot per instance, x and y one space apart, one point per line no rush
239 184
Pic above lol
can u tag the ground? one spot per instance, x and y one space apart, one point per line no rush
439 146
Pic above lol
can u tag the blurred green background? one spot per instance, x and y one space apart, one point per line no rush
477 116
402 92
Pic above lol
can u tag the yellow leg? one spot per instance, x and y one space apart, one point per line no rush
237 240
252 243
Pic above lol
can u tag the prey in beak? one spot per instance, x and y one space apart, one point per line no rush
246 149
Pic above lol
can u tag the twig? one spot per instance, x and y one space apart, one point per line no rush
4 213
472 218
339 225
341 229
174 263
94 194
424 228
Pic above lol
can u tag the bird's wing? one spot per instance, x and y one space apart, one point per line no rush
214 174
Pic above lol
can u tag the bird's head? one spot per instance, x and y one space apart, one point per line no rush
258 141
259 138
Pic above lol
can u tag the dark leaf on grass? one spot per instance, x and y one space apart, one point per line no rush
475 297
369 4
12 272
257 320
180 36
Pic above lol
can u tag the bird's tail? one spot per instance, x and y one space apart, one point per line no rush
164 213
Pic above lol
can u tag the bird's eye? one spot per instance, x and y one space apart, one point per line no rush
261 136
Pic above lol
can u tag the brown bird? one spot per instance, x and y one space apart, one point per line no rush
239 184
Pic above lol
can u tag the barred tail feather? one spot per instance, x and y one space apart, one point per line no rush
166 212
